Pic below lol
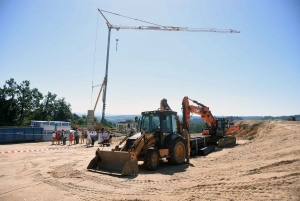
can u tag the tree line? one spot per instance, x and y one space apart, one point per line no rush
19 104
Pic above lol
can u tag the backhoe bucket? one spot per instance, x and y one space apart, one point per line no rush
114 163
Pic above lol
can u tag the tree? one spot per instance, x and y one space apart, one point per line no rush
47 107
233 118
197 128
28 100
82 120
62 111
19 104
8 103
107 123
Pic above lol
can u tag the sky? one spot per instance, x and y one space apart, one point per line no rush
60 47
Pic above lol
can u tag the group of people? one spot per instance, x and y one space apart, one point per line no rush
60 137
103 137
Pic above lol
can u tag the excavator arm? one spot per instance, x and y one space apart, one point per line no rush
218 135
200 109
205 114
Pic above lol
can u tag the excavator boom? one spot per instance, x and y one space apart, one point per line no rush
200 109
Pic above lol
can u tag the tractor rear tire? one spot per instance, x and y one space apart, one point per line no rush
151 160
177 152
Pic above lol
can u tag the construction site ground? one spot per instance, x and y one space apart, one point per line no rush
264 165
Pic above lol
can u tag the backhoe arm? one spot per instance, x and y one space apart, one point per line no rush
142 143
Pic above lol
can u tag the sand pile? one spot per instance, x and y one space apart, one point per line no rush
264 168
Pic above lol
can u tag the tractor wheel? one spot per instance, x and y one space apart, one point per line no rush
177 152
151 159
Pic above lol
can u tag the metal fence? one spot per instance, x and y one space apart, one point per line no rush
20 134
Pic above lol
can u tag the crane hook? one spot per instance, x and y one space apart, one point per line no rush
117 40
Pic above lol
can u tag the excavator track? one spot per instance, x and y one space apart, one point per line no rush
229 140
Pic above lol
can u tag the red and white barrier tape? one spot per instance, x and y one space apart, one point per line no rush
38 150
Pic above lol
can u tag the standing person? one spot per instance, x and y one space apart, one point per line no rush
58 137
70 138
77 136
74 136
62 137
109 137
100 137
53 137
105 137
81 136
88 137
93 135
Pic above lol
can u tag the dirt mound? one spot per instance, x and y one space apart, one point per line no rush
258 128
253 128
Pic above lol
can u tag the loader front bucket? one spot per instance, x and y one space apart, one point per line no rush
114 163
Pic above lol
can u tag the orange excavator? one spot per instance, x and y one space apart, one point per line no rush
163 136
219 130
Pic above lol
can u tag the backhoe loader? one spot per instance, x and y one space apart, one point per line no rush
161 136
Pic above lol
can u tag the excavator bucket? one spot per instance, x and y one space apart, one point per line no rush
114 163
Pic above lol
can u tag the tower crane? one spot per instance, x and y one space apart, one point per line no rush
155 27
158 27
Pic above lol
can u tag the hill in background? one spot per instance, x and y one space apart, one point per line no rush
197 119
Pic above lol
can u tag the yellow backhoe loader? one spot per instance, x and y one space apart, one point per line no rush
162 136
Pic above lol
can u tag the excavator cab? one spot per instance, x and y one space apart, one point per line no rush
220 135
222 126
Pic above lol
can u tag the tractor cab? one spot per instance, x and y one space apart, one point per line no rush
163 123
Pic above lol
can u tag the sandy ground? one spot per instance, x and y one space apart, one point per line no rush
264 168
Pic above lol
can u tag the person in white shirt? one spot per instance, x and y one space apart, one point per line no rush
94 137
100 138
89 137
105 137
